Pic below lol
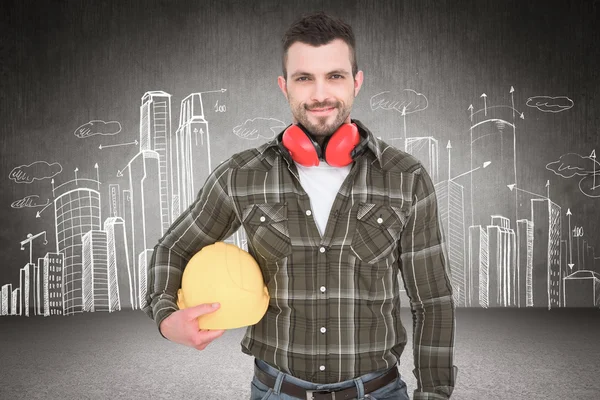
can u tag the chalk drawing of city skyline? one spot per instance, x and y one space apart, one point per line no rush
498 254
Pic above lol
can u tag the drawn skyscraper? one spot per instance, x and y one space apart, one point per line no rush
545 215
16 302
425 149
114 196
193 150
478 268
144 259
502 261
524 263
120 271
493 139
7 301
128 218
451 213
155 134
25 285
37 292
146 228
95 271
76 212
582 289
53 287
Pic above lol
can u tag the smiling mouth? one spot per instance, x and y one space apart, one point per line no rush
322 110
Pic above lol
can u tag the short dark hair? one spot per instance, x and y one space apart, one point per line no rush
317 29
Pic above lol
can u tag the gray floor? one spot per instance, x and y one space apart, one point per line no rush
501 354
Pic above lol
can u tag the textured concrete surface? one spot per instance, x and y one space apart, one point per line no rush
501 354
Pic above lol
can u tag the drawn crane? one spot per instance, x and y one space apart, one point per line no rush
28 241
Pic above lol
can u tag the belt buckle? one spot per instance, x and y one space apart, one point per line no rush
309 394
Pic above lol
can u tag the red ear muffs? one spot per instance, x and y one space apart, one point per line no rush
337 148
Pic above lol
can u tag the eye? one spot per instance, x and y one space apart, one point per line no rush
302 78
337 76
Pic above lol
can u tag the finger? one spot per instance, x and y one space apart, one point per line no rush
196 311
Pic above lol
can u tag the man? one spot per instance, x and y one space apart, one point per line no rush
330 241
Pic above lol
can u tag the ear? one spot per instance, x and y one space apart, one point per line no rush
358 80
282 85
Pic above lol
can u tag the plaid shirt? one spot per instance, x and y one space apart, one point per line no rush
334 312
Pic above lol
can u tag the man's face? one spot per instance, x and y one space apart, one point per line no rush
319 85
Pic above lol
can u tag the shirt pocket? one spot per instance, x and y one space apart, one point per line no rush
267 230
378 229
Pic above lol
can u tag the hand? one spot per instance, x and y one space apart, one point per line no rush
182 327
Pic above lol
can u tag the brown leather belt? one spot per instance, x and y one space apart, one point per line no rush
342 394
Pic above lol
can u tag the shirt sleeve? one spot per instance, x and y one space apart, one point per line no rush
426 275
211 218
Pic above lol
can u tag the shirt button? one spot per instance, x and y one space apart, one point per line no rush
322 249
308 212
379 220
323 329
323 289
263 219
322 368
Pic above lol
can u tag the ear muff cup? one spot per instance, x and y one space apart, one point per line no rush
337 148
301 147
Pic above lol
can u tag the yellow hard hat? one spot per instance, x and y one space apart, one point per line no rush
226 274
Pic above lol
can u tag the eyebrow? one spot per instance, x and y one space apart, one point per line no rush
334 72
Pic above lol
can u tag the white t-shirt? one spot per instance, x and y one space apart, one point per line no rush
322 184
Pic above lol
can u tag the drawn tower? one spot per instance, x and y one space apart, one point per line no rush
193 150
493 139
76 212
155 135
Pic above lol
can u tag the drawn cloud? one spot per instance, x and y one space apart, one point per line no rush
571 164
38 170
97 127
29 201
255 128
550 104
408 100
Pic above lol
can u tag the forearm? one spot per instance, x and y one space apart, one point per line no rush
164 279
433 347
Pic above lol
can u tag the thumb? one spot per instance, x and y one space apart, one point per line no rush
201 309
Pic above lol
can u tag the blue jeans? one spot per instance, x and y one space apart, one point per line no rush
395 390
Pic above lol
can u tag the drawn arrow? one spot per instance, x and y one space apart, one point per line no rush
52 182
471 109
548 188
513 186
593 157
484 102
404 119
215 91
512 99
97 176
485 164
37 215
449 148
570 241
115 145
76 169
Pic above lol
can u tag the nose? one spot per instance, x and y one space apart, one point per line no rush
320 92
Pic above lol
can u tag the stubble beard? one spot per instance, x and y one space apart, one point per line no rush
321 129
